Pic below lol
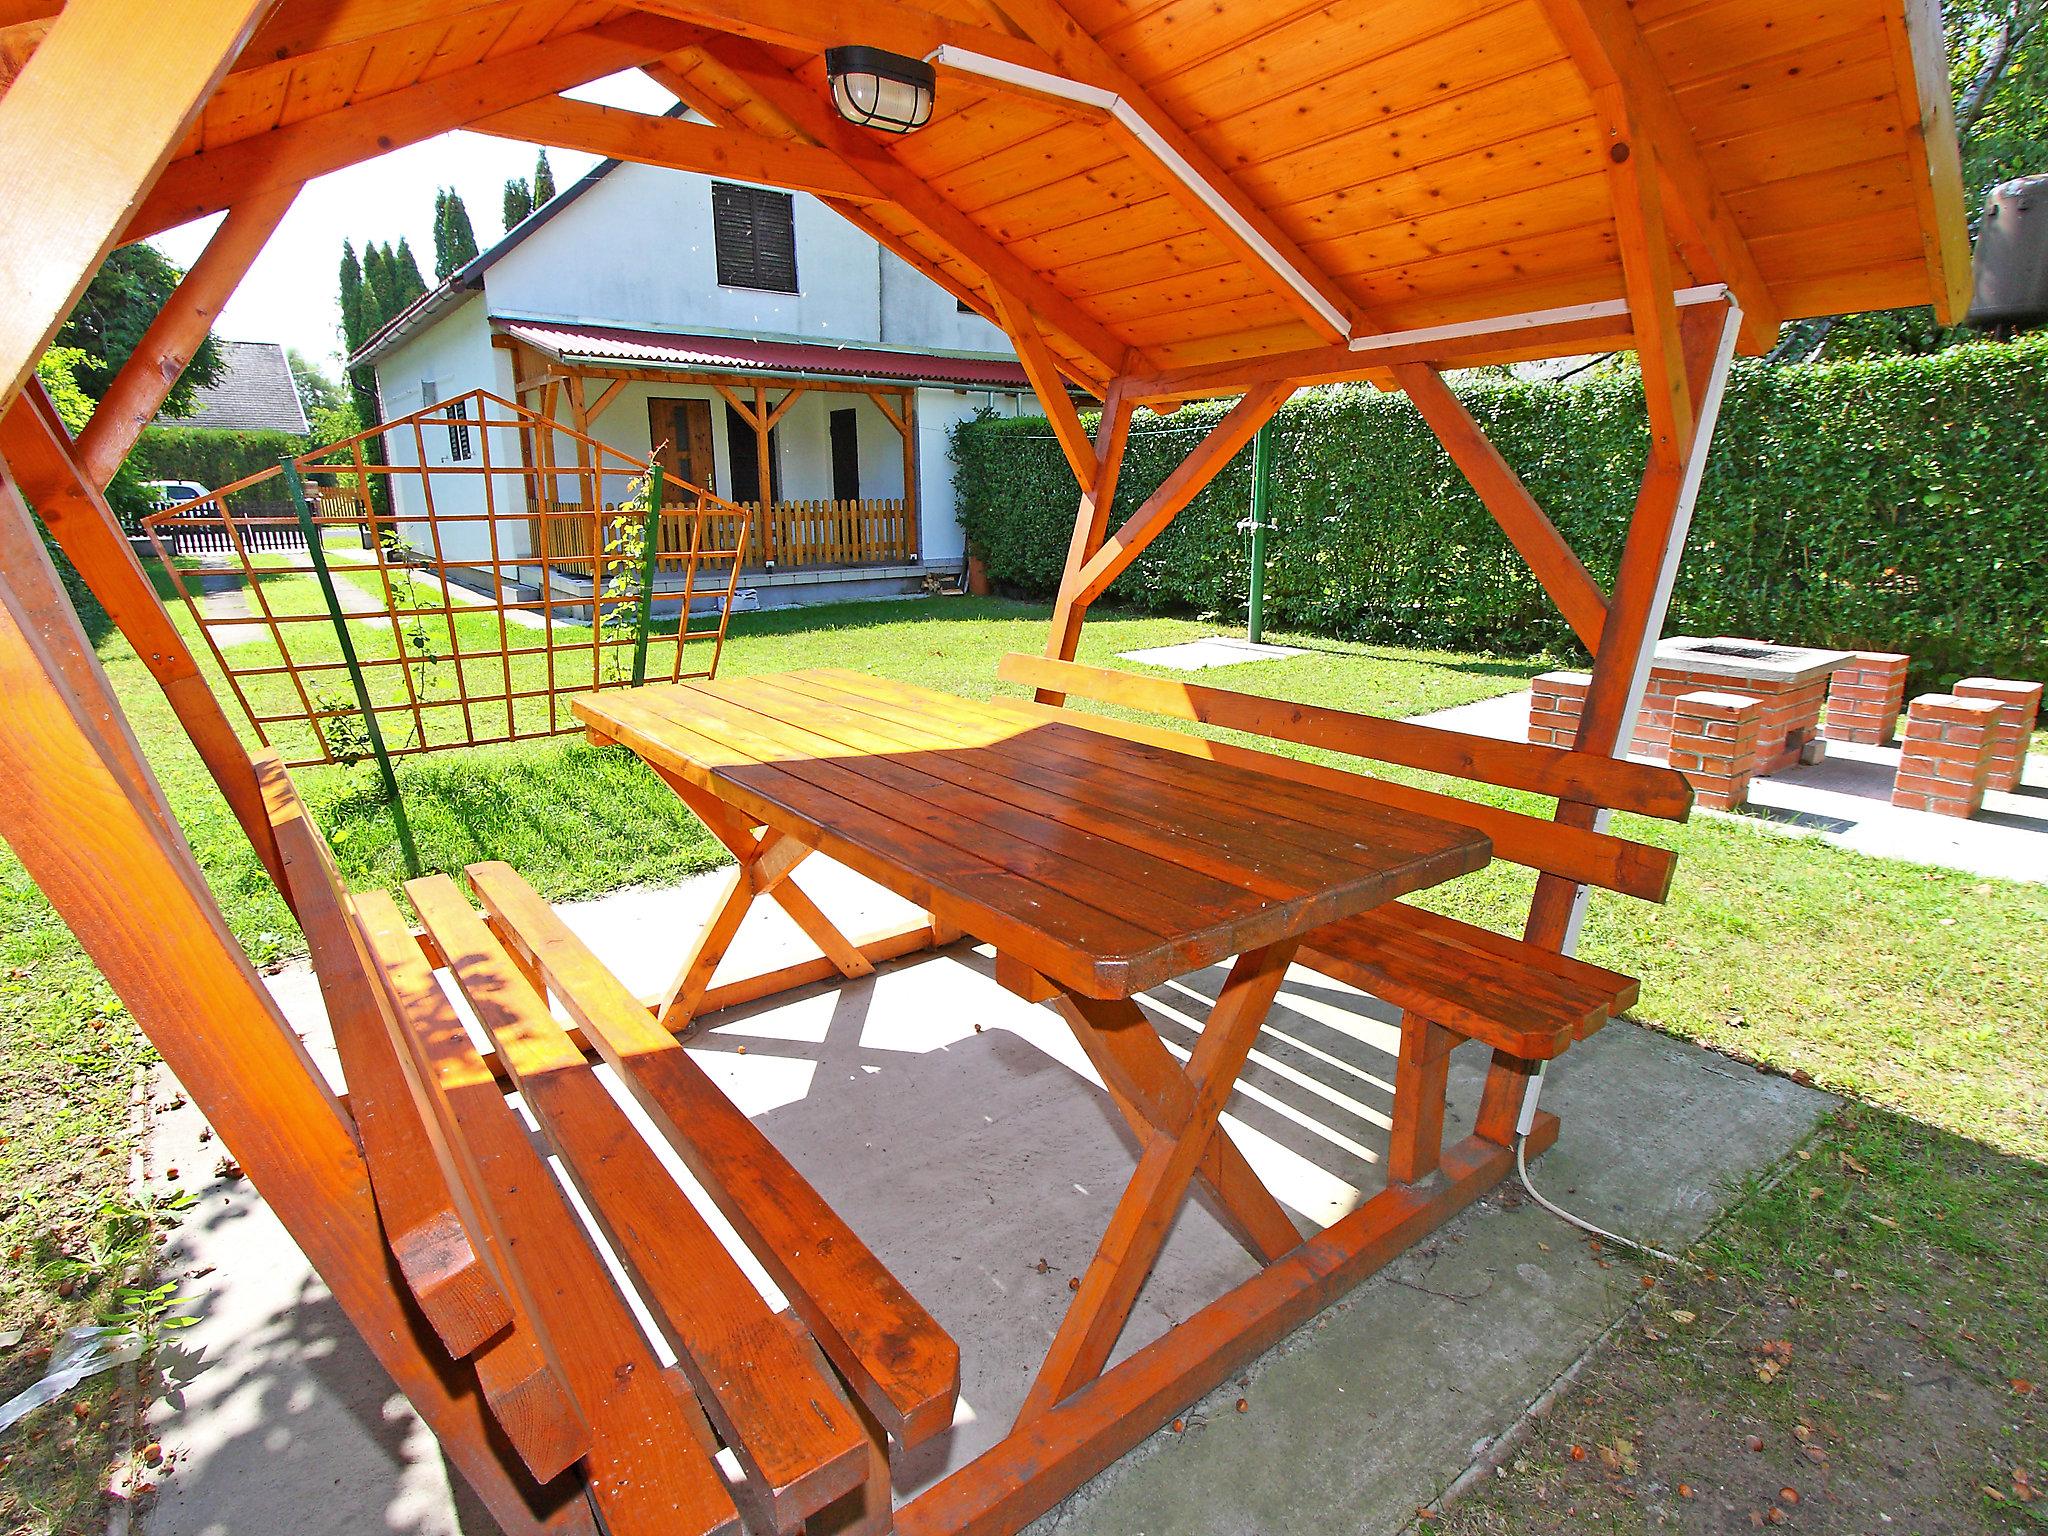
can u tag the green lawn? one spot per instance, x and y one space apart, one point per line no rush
1917 990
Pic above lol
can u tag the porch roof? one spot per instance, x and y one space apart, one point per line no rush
612 345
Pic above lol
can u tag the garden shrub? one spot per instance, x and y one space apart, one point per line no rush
213 458
1896 503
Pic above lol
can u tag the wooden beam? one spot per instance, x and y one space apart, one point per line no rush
1202 465
97 111
206 183
1049 385
1605 43
132 894
679 146
1646 268
801 99
1191 176
678 75
1920 63
178 331
820 24
1091 523
39 453
1556 566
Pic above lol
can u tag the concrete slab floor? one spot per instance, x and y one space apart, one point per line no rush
960 1131
1846 799
1210 651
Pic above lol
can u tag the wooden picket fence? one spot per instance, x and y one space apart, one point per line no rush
804 534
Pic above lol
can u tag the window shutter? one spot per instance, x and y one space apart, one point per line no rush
754 232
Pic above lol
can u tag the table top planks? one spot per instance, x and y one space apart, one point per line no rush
1107 865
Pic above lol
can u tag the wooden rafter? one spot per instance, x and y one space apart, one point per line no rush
679 146
178 331
1920 64
1556 566
206 183
1604 42
1191 176
820 24
1050 387
97 111
1091 523
1647 269
800 99
1186 482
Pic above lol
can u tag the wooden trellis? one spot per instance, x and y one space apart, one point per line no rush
486 566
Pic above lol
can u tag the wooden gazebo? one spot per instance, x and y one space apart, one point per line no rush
1159 200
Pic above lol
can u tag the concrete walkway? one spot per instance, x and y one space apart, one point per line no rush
1847 800
961 1133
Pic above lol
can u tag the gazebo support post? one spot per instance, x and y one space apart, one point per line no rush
81 810
43 462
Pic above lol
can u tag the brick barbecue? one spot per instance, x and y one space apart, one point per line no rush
1790 681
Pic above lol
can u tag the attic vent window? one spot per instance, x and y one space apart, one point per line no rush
754 229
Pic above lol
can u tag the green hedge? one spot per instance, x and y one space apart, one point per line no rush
1891 504
212 458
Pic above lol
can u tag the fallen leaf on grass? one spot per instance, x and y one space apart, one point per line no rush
2022 1387
1684 1317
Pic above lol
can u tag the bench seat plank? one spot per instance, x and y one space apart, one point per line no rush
648 1463
1517 997
420 1200
797 1442
903 1366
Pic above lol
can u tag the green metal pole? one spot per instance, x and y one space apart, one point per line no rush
317 552
650 557
1262 496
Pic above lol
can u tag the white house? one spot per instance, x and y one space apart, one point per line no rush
757 343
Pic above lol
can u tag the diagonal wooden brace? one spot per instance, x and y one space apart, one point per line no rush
1147 1085
764 861
1144 1214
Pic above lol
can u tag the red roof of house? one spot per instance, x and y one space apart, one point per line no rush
737 354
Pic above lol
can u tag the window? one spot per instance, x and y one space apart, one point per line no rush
458 434
845 456
754 229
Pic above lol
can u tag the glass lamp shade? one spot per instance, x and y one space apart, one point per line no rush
877 89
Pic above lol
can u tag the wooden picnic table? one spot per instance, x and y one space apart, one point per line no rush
1107 866
1097 867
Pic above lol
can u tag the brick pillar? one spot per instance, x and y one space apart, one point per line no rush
2019 706
1947 757
1714 743
1556 701
1864 698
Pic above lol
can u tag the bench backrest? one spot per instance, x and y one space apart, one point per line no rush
1591 857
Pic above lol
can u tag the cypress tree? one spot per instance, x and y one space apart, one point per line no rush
518 201
454 236
406 282
543 180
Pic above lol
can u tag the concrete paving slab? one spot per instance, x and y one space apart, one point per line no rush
1211 651
1845 799
961 1132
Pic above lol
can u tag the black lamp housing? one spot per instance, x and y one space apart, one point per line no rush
879 89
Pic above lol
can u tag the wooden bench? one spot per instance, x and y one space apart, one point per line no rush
1451 980
503 1269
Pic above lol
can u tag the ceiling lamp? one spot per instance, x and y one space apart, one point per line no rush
878 89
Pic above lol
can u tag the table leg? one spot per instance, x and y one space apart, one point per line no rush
1421 1073
1146 1083
765 860
1144 1213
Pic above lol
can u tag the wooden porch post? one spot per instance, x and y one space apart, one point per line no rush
1091 522
913 497
81 811
764 474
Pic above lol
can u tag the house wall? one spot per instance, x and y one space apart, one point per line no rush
455 355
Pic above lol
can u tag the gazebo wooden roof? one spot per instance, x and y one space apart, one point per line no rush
1157 199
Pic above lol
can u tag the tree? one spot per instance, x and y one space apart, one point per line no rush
518 201
454 237
543 180
110 317
317 392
